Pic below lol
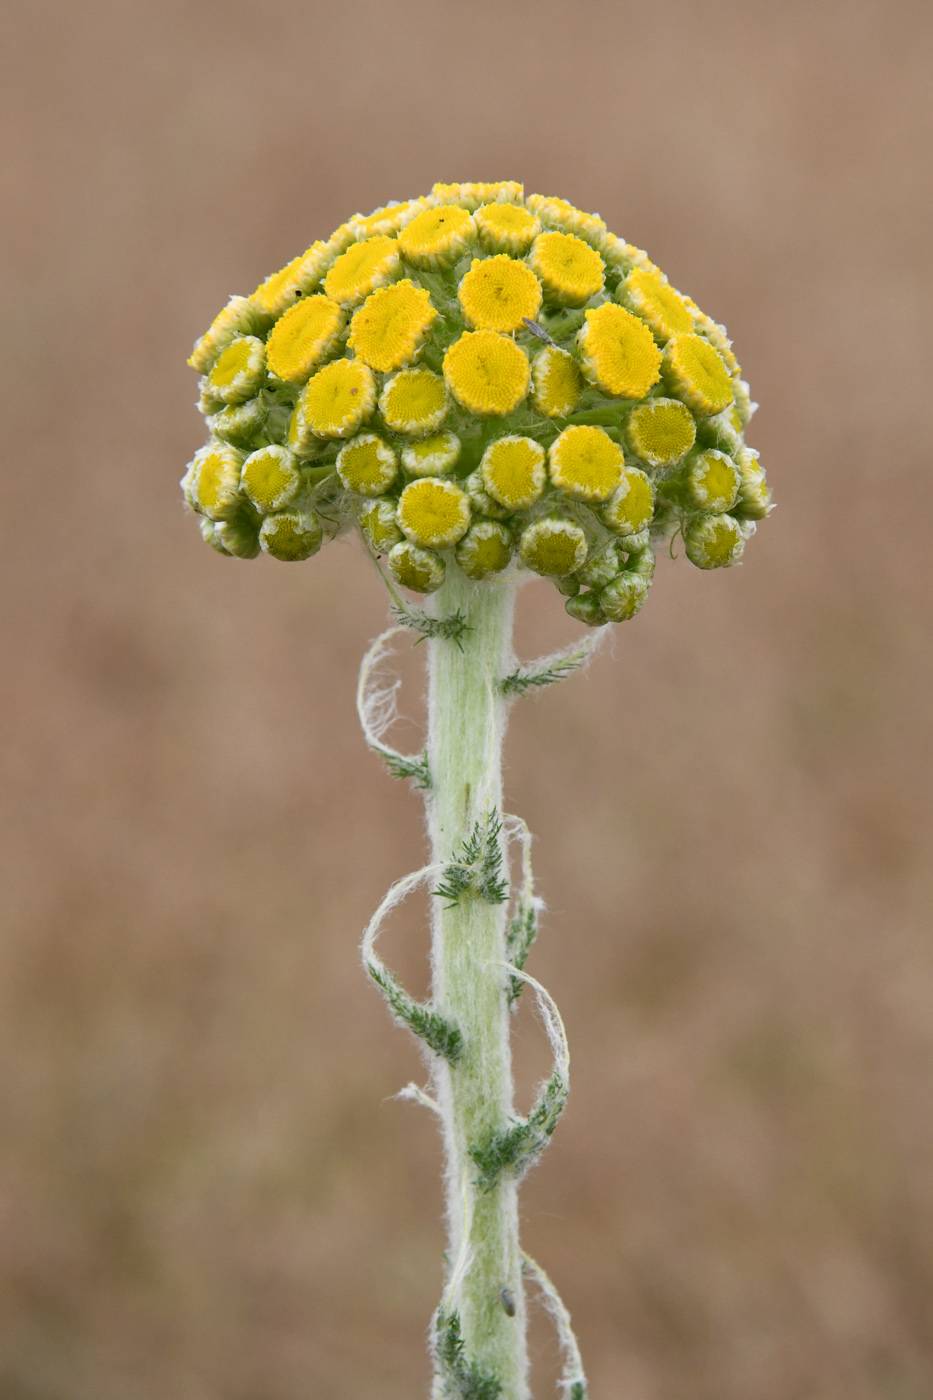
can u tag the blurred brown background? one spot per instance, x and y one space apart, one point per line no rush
205 1193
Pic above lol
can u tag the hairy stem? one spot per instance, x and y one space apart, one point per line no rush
483 1310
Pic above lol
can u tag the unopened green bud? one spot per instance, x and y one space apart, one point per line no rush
585 608
720 432
714 542
622 598
419 569
380 525
660 432
238 536
642 563
754 496
744 405
632 505
553 546
712 481
208 402
212 481
367 465
599 568
209 536
239 372
270 479
240 425
634 544
485 549
481 503
292 535
432 456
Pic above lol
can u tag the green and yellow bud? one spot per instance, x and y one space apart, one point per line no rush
513 471
338 399
238 536
213 481
487 373
622 597
303 338
654 300
506 228
240 425
561 214
585 608
632 505
414 402
472 195
239 317
556 382
432 456
367 465
618 353
601 566
553 546
711 481
239 372
570 271
744 406
714 541
437 238
481 503
433 512
270 479
695 371
361 269
209 536
291 536
660 432
385 221
380 525
485 549
720 432
585 463
283 288
754 496
418 569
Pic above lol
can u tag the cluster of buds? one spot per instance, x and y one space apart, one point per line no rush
478 376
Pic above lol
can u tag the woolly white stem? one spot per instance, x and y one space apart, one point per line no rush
466 725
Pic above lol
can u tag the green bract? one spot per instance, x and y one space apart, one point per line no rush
417 339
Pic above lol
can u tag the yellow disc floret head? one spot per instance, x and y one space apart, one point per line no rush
480 380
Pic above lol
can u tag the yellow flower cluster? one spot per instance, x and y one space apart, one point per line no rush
483 380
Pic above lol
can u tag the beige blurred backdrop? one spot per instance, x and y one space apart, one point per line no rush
206 1192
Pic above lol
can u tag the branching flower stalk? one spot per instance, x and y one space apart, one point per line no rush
488 387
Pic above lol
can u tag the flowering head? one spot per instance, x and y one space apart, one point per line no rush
481 380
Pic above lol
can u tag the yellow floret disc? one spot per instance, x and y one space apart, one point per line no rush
386 220
498 293
713 481
618 352
714 542
514 472
414 401
697 372
556 382
338 399
418 569
216 481
632 506
367 465
231 363
570 270
486 548
506 228
361 269
291 536
553 547
585 463
661 432
303 336
433 512
239 371
437 237
390 325
656 302
282 289
270 478
486 372
432 456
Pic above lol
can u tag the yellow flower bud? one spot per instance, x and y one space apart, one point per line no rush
712 481
270 479
632 506
651 297
661 432
499 294
238 536
414 401
213 479
556 382
470 196
513 471
717 337
485 549
560 214
291 536
618 353
754 496
744 406
436 238
381 526
301 275
623 596
696 372
338 399
553 546
487 372
240 424
238 317
387 220
239 372
389 328
367 465
585 463
415 568
570 270
433 512
432 456
361 269
714 541
481 503
304 337
506 228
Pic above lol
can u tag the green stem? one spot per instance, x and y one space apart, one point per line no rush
466 725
